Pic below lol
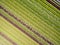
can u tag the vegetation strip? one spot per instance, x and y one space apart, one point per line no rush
6 37
53 4
28 27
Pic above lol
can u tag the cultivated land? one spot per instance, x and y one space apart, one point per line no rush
29 22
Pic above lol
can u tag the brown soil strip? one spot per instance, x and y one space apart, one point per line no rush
30 28
21 30
3 35
53 4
